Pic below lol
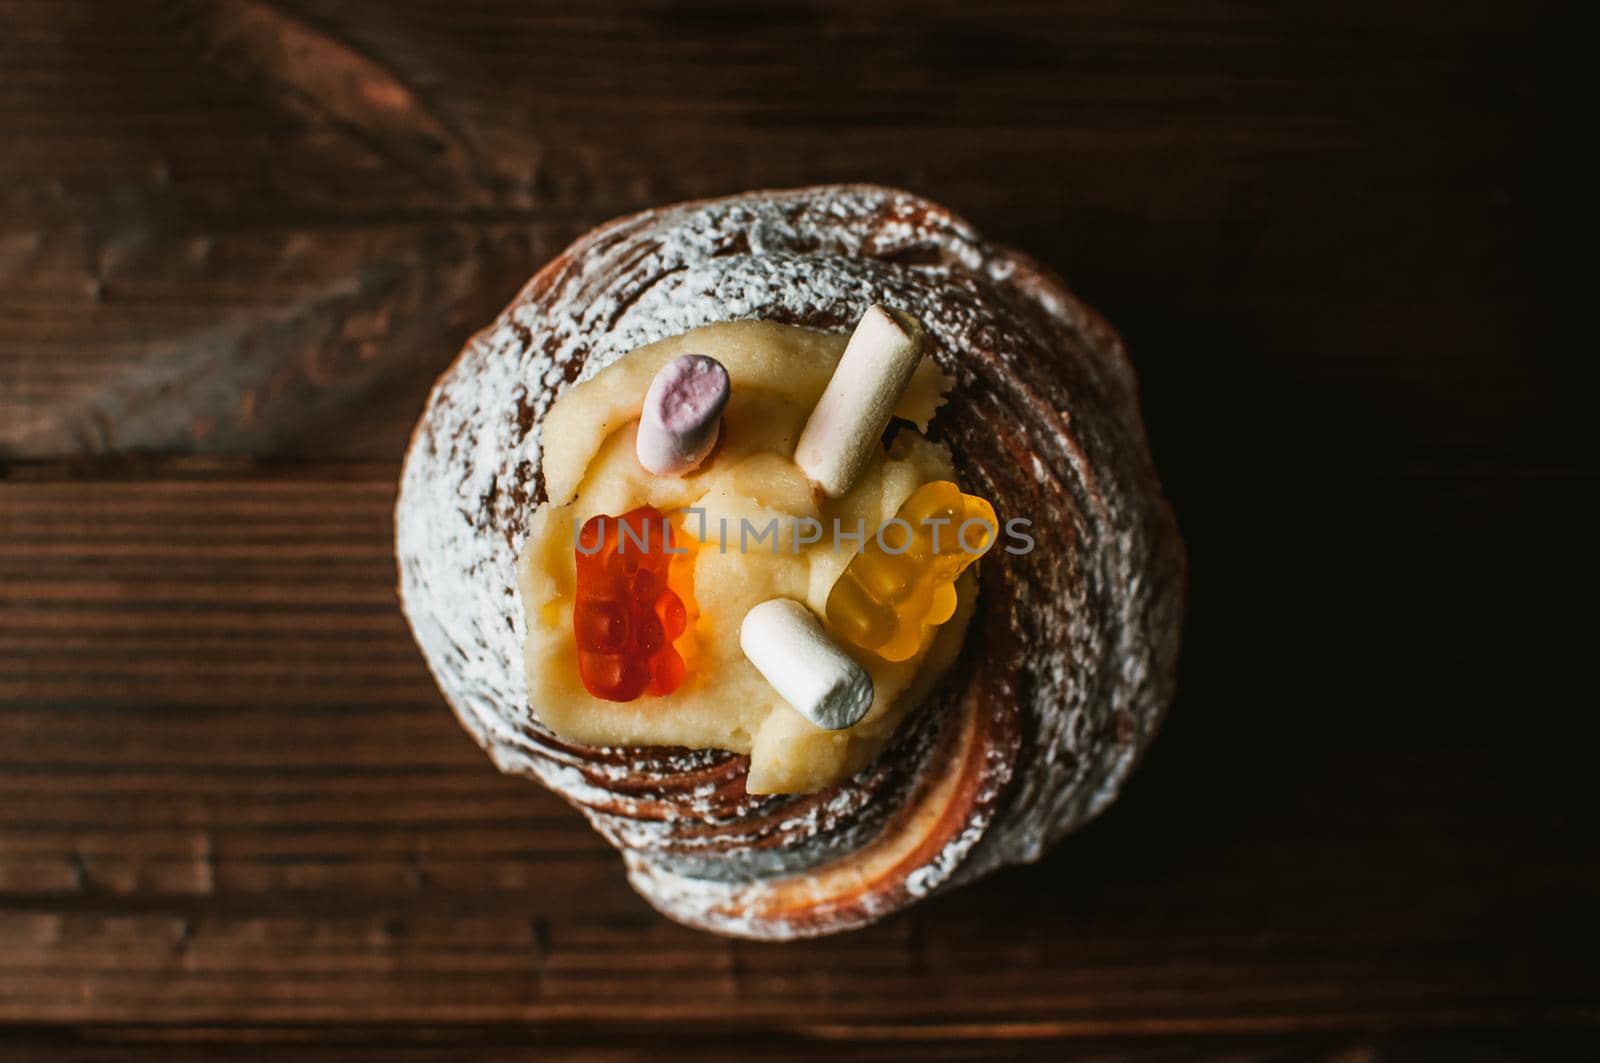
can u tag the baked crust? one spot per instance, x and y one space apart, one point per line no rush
1070 660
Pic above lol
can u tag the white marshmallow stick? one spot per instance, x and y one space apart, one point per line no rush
844 429
682 414
827 686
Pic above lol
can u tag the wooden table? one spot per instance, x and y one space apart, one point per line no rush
238 240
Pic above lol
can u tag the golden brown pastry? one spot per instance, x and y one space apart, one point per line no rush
1010 725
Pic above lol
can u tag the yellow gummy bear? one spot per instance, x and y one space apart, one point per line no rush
903 580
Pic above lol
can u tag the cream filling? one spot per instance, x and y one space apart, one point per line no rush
748 486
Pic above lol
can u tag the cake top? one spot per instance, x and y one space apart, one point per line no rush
652 598
1077 650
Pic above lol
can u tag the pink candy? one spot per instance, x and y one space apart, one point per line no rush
682 415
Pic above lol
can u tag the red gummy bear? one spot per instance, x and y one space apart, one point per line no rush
626 617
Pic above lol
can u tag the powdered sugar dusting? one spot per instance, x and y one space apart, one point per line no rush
1079 638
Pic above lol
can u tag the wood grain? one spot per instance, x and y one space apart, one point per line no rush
239 239
423 1044
213 242
231 795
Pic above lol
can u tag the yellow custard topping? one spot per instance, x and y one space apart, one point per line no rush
745 513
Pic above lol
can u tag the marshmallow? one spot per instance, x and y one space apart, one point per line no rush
824 684
844 429
682 414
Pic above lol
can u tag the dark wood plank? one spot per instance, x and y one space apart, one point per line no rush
493 1044
245 226
231 795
